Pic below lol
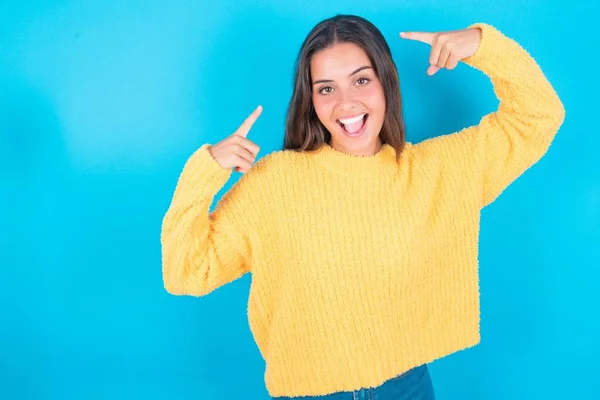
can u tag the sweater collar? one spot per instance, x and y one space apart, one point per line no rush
345 163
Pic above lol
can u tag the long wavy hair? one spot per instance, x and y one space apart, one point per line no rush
303 130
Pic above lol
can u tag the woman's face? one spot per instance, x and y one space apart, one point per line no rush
348 98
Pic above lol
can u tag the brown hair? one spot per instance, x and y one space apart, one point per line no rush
303 130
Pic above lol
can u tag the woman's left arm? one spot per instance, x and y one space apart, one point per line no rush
511 139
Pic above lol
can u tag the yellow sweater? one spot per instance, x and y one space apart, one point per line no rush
361 267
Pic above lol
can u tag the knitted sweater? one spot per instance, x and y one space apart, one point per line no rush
362 267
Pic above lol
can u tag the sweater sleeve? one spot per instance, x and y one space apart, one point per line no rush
200 250
511 139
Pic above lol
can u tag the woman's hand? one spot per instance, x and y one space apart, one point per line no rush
235 150
447 48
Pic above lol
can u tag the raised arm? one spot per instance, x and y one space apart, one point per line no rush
511 139
200 250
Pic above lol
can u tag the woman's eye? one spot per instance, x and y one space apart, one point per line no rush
360 81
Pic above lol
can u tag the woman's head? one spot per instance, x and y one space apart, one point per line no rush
345 70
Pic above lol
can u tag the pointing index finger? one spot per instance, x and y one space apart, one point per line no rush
424 37
247 124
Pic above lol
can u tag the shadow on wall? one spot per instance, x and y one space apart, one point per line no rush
33 170
32 148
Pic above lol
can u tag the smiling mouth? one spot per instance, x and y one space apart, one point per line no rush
353 125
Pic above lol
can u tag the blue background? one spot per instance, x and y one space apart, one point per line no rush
101 104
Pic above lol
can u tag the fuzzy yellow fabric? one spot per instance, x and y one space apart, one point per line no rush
362 267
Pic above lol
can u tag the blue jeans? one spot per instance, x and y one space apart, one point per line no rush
412 385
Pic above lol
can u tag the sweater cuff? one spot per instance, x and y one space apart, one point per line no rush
489 38
202 173
203 157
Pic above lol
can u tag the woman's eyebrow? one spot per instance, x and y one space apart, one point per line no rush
354 72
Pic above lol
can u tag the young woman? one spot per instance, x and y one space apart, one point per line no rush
362 247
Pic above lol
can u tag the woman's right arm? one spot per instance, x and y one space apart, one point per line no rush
200 250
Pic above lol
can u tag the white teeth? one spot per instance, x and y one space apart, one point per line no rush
352 120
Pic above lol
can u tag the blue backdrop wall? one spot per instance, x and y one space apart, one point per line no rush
102 102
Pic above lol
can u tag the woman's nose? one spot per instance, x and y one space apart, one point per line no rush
347 98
